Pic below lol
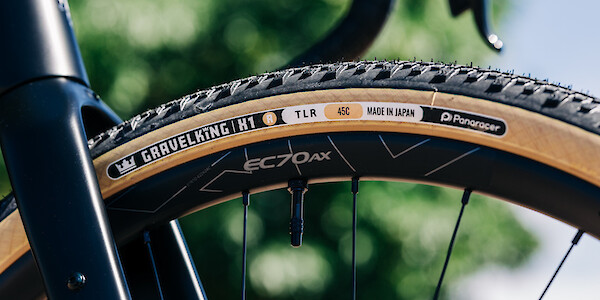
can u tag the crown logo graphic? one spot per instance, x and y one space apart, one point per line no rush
126 164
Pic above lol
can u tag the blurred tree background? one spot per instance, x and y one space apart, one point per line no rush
141 53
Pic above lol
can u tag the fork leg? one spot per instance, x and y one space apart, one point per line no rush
54 181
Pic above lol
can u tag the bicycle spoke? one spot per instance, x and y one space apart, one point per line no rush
246 202
147 242
465 201
354 225
573 243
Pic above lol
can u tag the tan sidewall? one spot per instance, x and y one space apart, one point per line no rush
531 135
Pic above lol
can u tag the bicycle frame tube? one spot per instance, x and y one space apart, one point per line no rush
54 182
45 150
37 42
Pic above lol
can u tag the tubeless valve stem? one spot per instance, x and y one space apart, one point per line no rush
297 188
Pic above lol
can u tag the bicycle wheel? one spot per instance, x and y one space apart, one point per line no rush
519 139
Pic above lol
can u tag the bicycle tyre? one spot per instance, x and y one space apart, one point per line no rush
159 165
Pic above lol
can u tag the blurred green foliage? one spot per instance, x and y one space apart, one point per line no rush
141 53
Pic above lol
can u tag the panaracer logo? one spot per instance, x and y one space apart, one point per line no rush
446 116
471 121
276 161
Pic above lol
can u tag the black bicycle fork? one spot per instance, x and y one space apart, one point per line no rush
46 110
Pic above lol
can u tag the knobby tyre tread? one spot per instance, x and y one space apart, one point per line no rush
535 95
515 100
